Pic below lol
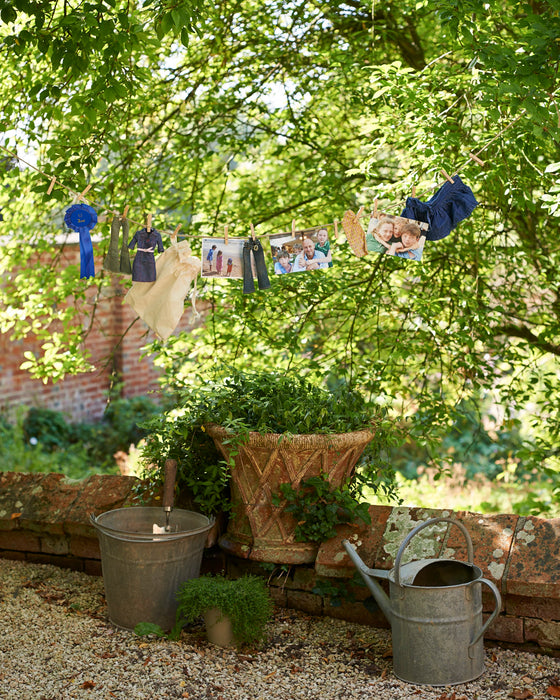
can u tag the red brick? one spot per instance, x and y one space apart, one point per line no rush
304 579
546 634
505 629
356 612
13 556
49 504
492 537
332 559
105 338
19 540
92 567
16 490
86 547
307 602
543 608
278 595
53 544
99 494
534 564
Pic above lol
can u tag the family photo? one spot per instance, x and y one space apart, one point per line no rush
222 260
396 235
301 251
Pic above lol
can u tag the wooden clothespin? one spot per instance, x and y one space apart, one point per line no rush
83 194
149 223
413 191
226 227
51 186
447 177
125 212
335 224
253 232
360 212
293 228
375 208
476 159
174 234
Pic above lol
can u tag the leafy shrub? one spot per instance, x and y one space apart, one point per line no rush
244 600
19 455
202 475
46 426
241 402
43 441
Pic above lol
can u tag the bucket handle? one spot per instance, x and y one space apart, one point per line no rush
498 599
413 533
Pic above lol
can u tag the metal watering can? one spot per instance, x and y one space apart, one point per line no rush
435 611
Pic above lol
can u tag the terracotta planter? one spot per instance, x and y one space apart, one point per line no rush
219 630
259 530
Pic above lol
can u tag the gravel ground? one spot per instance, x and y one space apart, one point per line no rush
57 643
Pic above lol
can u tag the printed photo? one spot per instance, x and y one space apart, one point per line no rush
301 251
396 235
221 260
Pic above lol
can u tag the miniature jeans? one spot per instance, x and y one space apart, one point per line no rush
115 262
262 275
449 206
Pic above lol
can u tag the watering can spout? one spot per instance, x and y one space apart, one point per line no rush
381 598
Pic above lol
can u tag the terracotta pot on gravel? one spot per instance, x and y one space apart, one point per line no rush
259 530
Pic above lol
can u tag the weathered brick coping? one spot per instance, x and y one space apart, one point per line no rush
45 518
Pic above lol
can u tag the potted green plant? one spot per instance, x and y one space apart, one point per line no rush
270 428
235 611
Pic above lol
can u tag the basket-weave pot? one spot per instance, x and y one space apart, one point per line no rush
258 529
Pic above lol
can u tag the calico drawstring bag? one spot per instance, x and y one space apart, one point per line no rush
161 304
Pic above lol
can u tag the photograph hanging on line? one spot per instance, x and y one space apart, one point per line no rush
396 235
222 260
301 251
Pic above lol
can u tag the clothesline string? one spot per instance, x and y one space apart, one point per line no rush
474 155
55 182
136 223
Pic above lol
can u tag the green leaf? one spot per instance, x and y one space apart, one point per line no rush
146 628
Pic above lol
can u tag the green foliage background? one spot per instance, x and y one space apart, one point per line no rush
264 112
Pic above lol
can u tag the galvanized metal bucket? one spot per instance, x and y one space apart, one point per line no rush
142 571
435 611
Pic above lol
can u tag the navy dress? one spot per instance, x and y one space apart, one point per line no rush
144 265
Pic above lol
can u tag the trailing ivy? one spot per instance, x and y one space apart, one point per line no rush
319 508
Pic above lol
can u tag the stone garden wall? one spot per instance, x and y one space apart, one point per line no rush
45 518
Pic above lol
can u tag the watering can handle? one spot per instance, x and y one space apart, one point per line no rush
495 612
417 529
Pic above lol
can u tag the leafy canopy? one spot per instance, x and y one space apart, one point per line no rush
276 111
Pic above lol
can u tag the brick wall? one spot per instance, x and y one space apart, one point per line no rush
113 342
44 518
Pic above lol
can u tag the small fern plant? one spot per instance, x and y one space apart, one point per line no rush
245 601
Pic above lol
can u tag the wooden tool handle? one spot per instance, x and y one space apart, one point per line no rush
169 475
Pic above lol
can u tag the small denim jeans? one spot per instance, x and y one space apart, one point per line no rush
262 275
449 206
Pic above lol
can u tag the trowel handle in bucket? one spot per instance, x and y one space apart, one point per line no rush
490 620
428 523
169 476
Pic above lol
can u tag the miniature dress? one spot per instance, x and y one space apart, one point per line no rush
161 304
144 265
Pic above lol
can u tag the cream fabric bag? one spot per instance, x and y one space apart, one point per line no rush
355 234
161 304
